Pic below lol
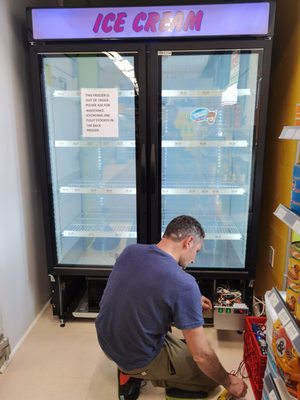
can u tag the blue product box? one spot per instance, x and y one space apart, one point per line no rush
296 196
296 171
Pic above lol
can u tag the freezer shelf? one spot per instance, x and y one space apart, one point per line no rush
202 93
77 93
93 190
221 228
165 143
93 186
216 228
200 188
165 93
205 143
94 143
86 227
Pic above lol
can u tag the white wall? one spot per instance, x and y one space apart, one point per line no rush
24 287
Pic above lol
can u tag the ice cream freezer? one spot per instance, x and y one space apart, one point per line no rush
143 113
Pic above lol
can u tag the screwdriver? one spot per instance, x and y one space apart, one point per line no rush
225 395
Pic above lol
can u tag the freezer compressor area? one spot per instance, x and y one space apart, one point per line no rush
80 298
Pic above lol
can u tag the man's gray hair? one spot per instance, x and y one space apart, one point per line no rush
182 226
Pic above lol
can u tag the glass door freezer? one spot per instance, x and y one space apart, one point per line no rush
208 151
208 101
143 113
92 108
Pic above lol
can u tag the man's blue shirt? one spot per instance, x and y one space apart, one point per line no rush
147 291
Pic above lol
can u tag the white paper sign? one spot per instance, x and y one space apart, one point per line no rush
99 110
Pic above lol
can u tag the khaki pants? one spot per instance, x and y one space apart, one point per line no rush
174 367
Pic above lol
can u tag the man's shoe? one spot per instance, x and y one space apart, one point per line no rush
174 394
128 387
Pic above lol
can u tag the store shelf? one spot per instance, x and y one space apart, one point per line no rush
289 323
204 143
287 216
290 132
275 388
270 388
284 395
94 143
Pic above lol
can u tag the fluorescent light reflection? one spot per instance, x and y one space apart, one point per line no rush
124 66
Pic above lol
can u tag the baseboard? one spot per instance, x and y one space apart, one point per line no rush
17 346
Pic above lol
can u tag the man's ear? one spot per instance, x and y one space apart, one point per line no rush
188 242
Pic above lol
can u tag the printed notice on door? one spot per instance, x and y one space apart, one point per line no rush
99 112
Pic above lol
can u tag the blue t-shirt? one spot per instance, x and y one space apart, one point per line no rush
146 292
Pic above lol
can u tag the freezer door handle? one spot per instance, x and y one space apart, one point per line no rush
153 168
143 164
258 92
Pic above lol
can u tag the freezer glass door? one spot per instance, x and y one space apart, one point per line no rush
91 108
208 120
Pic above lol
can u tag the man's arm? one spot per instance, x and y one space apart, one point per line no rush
208 362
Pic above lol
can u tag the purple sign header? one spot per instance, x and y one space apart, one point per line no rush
146 22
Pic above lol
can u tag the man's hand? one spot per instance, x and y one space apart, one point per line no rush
236 387
206 303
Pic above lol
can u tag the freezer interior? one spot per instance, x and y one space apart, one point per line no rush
91 108
208 102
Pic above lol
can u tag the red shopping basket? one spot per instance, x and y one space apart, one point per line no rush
254 360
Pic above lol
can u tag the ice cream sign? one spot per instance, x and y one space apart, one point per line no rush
161 21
